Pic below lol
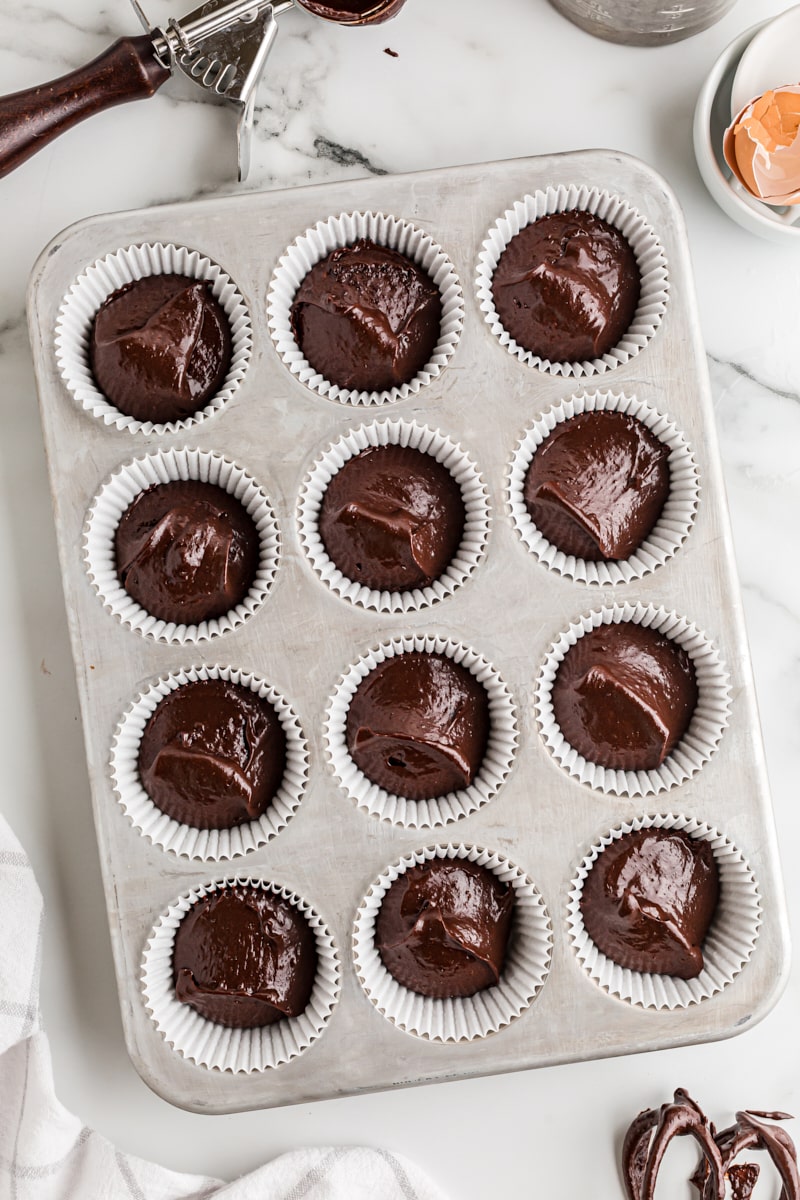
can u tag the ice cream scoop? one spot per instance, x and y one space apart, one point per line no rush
221 47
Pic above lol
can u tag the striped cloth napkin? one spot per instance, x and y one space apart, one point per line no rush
47 1154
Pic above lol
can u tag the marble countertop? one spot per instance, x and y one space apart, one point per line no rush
466 83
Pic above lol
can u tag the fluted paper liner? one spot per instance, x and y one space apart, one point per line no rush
417 437
727 946
207 844
418 814
209 1044
93 287
705 728
670 530
115 497
650 259
459 1019
314 245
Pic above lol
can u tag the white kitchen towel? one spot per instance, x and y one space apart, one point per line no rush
47 1154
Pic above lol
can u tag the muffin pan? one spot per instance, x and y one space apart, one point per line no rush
304 636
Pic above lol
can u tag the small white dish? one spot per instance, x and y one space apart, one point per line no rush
712 116
772 59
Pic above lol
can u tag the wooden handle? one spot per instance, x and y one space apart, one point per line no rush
128 70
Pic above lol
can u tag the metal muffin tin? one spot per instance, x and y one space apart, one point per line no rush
304 637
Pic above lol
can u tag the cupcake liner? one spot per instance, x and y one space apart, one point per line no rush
421 814
116 495
163 830
727 946
670 530
209 1044
459 1020
92 288
616 211
315 244
705 729
417 437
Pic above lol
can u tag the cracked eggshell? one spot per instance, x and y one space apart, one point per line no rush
762 146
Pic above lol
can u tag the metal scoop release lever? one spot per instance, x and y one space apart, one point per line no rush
221 47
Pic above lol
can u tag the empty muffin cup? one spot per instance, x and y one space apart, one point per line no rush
623 217
460 1019
343 231
92 289
705 726
191 841
222 1047
495 764
670 529
396 535
134 479
727 945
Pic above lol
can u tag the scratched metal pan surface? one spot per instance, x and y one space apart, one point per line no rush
304 636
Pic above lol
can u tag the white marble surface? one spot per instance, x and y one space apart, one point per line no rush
471 82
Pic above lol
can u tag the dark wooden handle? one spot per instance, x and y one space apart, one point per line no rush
128 70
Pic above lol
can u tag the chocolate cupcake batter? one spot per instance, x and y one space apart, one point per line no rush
186 551
244 957
624 696
597 484
443 927
418 725
567 287
160 347
649 900
367 317
392 518
212 754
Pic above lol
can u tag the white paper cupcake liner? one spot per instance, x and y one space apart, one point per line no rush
117 494
163 830
209 1044
421 814
459 1020
616 211
91 289
705 728
315 244
417 437
670 530
728 944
